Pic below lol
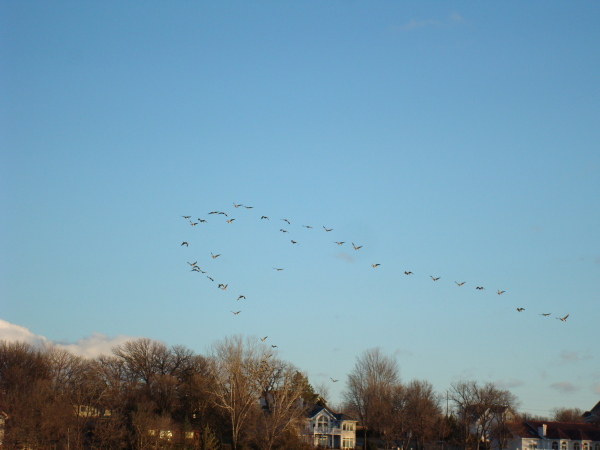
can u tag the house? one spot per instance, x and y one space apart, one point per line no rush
593 416
327 429
543 435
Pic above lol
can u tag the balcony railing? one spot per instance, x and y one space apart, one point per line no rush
327 430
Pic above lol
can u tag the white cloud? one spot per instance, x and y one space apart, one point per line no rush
90 346
11 332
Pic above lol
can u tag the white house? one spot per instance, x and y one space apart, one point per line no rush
327 429
542 435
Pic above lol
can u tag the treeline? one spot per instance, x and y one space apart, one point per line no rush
147 395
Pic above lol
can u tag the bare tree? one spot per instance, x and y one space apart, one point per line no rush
573 415
239 375
478 410
370 386
281 402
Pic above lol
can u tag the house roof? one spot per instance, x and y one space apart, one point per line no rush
313 410
529 429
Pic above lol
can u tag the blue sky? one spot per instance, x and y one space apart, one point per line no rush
452 139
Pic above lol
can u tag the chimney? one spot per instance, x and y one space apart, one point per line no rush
542 431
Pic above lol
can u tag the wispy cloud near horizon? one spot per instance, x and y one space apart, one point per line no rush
564 387
90 346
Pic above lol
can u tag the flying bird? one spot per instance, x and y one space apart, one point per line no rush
193 264
185 243
563 319
282 230
339 242
434 279
520 309
214 212
201 220
375 265
230 220
236 312
335 381
293 241
287 221
264 339
460 284
237 205
264 217
500 292
479 288
223 286
214 256
273 346
241 296
277 269
408 272
248 207
545 314
306 226
356 247
193 223
327 229
210 278
186 217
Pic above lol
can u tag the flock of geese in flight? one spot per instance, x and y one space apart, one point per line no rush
195 268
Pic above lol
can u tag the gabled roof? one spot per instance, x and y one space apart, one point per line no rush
529 429
313 410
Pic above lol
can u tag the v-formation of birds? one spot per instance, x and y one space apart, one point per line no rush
229 221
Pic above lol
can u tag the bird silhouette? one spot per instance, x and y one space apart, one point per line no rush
236 312
264 339
264 217
306 226
210 278
408 272
230 220
339 242
460 284
545 314
335 381
375 265
287 221
241 296
356 247
185 243
327 229
293 241
520 309
223 286
277 269
479 288
434 279
501 292
237 205
282 230
186 217
214 256
563 319
273 346
193 264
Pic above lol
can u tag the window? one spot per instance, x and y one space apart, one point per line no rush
563 446
576 446
323 422
532 446
350 426
347 443
596 446
555 445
